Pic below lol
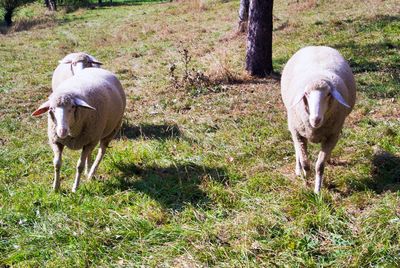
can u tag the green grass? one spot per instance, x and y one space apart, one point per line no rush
201 176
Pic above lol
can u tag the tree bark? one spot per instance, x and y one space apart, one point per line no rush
259 38
52 5
8 16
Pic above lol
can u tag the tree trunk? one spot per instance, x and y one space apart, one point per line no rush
52 5
8 16
243 15
259 38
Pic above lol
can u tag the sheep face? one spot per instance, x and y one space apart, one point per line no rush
63 117
318 97
80 62
62 111
318 100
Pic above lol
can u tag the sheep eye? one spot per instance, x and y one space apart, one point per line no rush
52 114
305 101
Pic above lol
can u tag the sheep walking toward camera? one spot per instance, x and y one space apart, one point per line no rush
72 64
83 110
319 92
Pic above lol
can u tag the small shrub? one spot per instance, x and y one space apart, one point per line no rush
195 82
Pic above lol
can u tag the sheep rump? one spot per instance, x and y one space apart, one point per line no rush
65 69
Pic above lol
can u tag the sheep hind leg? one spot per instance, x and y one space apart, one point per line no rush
323 156
102 150
100 154
88 162
57 150
81 166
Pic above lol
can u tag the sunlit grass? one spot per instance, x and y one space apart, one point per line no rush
201 176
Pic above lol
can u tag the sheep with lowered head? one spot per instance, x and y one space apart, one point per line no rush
82 111
319 92
72 64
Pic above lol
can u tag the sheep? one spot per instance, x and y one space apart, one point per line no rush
319 91
72 64
83 110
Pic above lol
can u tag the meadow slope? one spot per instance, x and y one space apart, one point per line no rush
202 173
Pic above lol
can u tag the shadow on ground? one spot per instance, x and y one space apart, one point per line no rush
128 3
27 24
385 172
149 131
384 176
361 63
173 187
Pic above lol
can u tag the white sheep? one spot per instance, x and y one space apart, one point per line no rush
72 64
319 91
83 110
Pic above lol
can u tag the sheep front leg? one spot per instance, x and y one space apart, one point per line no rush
57 160
302 163
80 166
323 156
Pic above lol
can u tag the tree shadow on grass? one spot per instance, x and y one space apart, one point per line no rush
173 187
27 24
114 3
361 64
384 176
149 131
385 172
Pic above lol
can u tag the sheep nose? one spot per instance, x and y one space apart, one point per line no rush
62 133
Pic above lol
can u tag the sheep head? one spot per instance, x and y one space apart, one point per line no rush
62 111
318 97
80 61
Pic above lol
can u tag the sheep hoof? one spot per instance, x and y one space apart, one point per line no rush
317 190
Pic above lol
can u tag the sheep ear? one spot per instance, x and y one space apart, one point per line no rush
83 104
65 61
93 60
297 99
42 109
96 62
336 94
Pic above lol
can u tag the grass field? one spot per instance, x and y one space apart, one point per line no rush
202 174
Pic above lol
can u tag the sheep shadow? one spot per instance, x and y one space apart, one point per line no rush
174 187
385 172
149 131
